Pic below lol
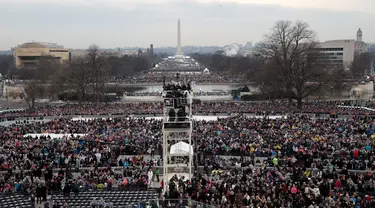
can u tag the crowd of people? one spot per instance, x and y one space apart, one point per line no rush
153 108
212 93
201 78
308 163
200 93
312 162
143 94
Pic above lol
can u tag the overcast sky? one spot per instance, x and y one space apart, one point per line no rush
121 23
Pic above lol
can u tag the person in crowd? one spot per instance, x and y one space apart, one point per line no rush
39 194
65 205
101 203
32 200
150 176
157 173
94 203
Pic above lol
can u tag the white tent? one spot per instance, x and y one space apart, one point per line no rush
181 148
356 93
206 71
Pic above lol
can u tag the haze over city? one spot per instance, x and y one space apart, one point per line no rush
114 23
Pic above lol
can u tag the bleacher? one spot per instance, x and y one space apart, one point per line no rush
117 198
14 201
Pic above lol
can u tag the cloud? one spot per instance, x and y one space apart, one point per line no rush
114 23
79 2
43 1
124 4
336 5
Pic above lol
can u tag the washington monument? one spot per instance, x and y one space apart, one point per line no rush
179 48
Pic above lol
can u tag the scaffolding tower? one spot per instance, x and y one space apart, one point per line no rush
177 133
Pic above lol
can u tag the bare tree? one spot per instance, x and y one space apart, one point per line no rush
97 63
308 77
30 92
58 81
292 48
37 83
6 63
360 66
266 78
337 75
78 76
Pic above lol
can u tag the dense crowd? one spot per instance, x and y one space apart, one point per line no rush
260 108
212 93
308 161
292 146
143 94
200 93
220 77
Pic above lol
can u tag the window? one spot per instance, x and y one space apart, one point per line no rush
58 51
340 54
330 49
29 58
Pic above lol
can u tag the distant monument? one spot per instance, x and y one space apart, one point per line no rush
179 48
359 35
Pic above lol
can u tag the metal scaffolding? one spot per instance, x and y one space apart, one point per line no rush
177 133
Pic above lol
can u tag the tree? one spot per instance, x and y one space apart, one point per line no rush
266 78
308 77
38 80
360 66
30 92
337 75
5 64
86 75
127 65
74 76
292 48
96 62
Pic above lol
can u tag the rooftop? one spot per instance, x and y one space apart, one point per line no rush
40 45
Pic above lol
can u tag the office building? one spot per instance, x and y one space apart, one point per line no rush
342 51
29 54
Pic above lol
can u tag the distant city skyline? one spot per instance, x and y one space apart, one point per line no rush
139 23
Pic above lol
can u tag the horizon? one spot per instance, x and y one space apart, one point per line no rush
76 24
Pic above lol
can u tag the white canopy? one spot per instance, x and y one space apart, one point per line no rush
181 148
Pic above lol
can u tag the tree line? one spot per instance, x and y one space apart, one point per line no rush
83 77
